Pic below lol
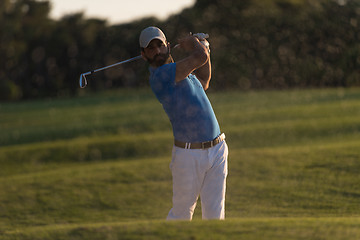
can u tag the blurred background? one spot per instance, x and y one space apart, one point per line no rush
93 163
256 44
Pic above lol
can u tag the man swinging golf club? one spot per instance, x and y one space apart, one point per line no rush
199 157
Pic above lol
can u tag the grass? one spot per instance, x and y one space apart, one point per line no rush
96 167
233 229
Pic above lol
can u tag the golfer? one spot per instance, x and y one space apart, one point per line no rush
199 156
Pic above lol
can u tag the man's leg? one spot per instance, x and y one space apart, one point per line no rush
188 175
214 187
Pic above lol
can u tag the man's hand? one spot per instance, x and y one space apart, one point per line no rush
188 43
202 38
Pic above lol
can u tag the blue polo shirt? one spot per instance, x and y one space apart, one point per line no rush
186 104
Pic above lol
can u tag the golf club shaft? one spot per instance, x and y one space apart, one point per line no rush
83 81
113 65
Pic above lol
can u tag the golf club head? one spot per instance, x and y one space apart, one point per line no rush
83 81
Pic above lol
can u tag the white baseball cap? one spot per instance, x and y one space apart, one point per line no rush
149 34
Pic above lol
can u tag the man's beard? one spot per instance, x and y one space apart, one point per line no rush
160 59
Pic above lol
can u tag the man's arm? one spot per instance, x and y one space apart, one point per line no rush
199 59
204 74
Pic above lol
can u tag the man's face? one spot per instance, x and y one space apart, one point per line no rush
157 53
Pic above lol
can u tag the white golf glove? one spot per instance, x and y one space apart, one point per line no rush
202 37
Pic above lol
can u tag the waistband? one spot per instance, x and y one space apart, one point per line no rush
200 145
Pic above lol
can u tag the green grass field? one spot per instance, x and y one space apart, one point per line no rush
97 167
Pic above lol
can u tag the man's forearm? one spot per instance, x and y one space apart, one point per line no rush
196 60
203 73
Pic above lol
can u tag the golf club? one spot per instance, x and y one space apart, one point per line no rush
83 80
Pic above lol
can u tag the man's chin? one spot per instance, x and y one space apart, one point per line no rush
159 61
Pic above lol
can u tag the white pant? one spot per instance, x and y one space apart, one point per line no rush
199 172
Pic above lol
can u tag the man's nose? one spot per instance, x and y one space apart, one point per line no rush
157 50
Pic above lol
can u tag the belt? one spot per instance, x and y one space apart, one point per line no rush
200 145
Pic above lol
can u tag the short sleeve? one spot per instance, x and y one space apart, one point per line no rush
162 82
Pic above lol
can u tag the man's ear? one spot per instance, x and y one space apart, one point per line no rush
143 55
